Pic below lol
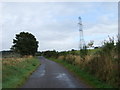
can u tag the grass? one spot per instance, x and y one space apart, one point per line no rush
90 51
93 51
82 74
16 70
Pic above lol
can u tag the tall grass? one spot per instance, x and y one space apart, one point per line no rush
16 70
103 63
89 80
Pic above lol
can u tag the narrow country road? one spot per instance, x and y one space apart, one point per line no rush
52 75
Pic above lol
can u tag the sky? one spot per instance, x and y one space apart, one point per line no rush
55 24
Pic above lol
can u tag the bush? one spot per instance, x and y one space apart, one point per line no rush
50 54
105 63
83 52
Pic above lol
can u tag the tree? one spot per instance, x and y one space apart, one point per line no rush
25 44
90 44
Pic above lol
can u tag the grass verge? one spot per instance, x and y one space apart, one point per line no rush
83 75
15 72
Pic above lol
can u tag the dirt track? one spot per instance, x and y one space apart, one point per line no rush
52 75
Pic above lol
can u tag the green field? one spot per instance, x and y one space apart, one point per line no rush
16 70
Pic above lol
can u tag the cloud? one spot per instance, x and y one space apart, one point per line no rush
55 24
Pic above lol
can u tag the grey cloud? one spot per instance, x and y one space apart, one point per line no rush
53 24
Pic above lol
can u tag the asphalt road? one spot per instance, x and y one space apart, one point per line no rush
52 75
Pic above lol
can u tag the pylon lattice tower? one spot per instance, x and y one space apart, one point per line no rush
82 42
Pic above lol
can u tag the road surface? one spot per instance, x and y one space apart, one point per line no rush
52 75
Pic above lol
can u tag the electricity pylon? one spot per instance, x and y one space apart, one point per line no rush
82 42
